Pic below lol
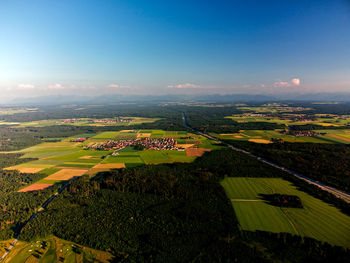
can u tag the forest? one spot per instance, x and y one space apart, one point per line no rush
173 213
16 208
328 163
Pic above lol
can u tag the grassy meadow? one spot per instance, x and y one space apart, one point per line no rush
54 249
77 122
316 219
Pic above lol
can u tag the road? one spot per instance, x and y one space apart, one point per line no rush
43 206
32 217
338 193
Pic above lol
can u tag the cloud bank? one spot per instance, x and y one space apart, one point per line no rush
185 86
287 84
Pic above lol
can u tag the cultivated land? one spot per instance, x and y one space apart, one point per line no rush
52 250
316 219
265 136
122 121
66 159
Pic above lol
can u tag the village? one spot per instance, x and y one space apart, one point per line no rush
104 120
144 143
307 133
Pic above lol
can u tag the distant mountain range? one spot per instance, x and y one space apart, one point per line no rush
229 98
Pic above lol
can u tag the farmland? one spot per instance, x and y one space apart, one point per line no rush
123 121
326 136
53 249
63 160
316 219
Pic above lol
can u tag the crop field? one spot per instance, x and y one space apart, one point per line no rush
316 219
272 108
63 160
54 249
35 187
76 122
331 122
327 136
11 111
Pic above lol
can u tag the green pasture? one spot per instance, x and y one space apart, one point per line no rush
77 165
79 122
334 121
49 171
106 135
53 156
123 159
316 219
275 134
78 156
52 250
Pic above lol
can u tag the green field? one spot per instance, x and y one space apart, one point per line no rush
52 250
55 156
327 136
78 122
316 219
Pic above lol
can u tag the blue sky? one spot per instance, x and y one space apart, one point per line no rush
165 47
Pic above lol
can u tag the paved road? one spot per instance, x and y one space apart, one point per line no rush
338 193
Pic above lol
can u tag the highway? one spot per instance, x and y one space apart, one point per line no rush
338 193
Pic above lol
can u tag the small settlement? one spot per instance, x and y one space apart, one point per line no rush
146 143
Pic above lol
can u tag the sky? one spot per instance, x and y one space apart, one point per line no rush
149 47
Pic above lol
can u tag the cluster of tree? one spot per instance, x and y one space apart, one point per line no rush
308 127
11 159
14 139
16 207
169 213
282 200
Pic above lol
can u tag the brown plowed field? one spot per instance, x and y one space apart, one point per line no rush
66 174
196 152
35 187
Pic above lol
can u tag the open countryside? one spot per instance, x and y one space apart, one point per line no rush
53 249
76 156
316 219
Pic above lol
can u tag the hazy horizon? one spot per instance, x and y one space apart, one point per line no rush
181 47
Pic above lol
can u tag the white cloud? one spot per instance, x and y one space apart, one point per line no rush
56 86
296 81
117 86
25 86
286 84
113 86
185 86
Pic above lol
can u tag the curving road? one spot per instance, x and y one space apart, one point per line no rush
338 193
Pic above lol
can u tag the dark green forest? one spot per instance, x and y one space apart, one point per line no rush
16 208
171 213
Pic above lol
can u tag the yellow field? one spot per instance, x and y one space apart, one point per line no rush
184 146
89 157
109 166
336 136
259 140
327 124
66 174
143 135
27 170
